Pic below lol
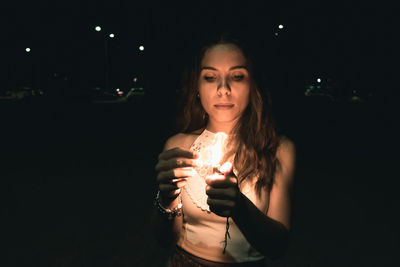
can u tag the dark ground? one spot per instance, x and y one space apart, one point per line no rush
77 184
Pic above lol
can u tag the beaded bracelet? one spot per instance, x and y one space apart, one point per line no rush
171 213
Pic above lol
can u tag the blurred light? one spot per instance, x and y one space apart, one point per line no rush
141 48
276 34
134 79
112 35
120 92
28 49
97 28
319 80
117 89
280 26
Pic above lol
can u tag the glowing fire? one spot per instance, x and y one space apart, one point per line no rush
217 148
215 152
210 158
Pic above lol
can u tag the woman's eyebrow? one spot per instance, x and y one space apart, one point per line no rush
207 68
231 68
238 67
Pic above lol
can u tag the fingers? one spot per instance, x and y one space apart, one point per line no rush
169 191
174 166
172 189
180 183
226 181
177 153
173 163
221 193
172 186
220 203
167 176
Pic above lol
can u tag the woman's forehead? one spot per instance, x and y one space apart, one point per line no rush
223 54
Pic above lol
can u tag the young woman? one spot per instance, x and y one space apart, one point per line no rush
244 217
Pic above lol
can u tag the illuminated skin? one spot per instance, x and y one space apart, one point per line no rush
224 86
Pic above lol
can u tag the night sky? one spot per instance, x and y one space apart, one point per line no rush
349 42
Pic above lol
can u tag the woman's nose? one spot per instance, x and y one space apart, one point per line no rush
223 88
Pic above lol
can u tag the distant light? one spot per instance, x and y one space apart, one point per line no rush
112 35
319 80
276 34
97 28
117 89
135 79
280 26
120 92
28 49
141 48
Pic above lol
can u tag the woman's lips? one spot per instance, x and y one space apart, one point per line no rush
224 106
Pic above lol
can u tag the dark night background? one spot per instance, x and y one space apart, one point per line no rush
77 177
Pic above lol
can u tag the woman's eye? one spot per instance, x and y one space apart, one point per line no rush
238 77
209 78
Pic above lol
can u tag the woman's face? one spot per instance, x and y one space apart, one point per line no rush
224 83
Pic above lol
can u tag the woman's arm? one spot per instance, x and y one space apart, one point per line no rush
166 231
170 160
269 233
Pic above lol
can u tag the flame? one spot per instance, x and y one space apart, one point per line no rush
217 148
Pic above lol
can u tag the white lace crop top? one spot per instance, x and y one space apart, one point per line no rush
203 232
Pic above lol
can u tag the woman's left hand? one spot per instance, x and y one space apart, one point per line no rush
223 193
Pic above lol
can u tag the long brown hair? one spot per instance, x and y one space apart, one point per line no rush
256 139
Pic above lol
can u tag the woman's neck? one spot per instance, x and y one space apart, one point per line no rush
215 127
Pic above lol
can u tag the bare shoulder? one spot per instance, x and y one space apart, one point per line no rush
182 140
286 147
286 155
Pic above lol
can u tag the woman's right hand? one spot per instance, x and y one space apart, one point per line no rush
173 167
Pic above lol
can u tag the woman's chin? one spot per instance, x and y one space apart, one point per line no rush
226 119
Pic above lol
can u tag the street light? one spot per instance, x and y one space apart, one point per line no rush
280 26
141 48
97 28
112 35
27 49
